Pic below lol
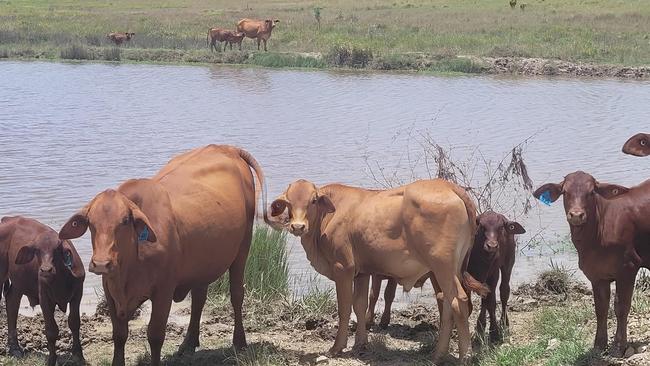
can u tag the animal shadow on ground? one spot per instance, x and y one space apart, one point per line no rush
256 353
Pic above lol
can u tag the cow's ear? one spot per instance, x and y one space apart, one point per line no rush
548 192
76 225
142 226
71 260
513 227
609 191
326 203
26 254
278 206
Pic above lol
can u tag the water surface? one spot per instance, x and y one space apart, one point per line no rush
68 131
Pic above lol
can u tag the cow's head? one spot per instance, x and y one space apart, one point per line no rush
496 229
129 35
638 145
117 226
580 190
305 204
269 24
54 256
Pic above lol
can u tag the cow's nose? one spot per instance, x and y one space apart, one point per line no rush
491 245
47 269
100 267
298 228
576 216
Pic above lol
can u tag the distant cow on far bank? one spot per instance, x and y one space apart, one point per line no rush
257 29
118 37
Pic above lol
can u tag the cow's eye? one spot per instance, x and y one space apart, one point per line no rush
643 142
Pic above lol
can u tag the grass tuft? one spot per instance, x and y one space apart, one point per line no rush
267 268
76 52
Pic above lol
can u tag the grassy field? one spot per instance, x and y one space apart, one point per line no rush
364 33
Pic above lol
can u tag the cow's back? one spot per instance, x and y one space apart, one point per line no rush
249 27
212 196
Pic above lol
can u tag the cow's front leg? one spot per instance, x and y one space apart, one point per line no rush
74 322
51 329
360 306
344 278
160 306
601 303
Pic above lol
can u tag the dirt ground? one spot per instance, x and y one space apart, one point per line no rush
275 339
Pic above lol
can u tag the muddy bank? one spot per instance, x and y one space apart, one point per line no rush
546 67
278 335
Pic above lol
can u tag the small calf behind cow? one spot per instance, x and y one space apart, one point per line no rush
35 263
493 251
226 36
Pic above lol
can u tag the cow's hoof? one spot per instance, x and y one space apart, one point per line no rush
16 351
51 360
335 351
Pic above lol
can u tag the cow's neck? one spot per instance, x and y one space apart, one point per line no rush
586 237
121 284
312 245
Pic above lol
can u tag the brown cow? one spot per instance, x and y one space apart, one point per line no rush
351 233
36 263
235 37
118 37
494 250
638 145
177 232
606 241
259 29
217 35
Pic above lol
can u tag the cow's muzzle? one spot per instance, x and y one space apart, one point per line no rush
491 246
100 267
298 229
576 217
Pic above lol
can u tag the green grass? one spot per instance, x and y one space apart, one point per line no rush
267 268
598 31
564 325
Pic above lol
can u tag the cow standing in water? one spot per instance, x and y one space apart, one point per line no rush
257 29
161 238
351 233
34 262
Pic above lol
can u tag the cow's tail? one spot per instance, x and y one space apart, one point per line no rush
468 281
250 160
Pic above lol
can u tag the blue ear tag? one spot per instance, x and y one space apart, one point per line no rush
144 234
67 260
546 198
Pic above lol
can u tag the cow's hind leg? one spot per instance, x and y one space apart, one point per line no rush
12 300
389 296
372 300
191 340
237 290
622 304
360 307
454 307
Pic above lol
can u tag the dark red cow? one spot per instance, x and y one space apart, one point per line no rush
604 219
493 253
35 263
